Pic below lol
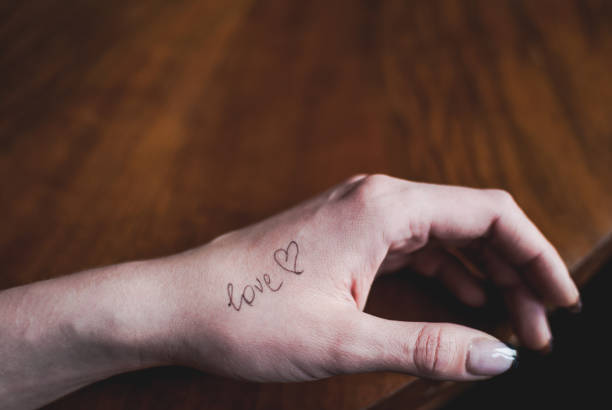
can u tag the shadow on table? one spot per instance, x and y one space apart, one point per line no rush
576 374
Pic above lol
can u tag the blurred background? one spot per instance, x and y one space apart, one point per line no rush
130 130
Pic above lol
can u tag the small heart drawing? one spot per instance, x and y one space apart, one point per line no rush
287 258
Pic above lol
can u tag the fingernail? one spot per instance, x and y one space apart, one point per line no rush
488 357
576 307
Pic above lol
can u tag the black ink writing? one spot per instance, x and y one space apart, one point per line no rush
248 292
286 258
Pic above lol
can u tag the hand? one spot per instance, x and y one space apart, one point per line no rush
283 300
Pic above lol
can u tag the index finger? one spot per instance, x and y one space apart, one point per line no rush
455 214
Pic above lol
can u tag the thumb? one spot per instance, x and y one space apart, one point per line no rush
433 350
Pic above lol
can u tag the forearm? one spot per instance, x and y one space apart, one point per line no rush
59 335
62 334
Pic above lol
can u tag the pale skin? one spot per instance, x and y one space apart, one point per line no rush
59 335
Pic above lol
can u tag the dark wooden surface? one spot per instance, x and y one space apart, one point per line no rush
132 130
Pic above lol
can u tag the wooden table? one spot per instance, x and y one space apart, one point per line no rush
136 129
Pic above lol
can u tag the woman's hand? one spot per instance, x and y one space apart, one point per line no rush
283 300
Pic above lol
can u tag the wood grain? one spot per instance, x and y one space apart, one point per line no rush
131 130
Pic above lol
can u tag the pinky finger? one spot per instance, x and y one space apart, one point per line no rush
463 284
528 317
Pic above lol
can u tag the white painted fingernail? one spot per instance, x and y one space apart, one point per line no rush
489 357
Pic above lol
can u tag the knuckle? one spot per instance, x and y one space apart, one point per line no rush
502 197
355 178
346 188
367 193
371 184
420 224
434 351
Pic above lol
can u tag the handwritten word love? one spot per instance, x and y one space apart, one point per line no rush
285 258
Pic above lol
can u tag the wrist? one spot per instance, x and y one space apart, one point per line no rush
129 318
164 311
191 331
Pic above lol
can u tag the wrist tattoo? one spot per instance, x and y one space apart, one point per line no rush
285 258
